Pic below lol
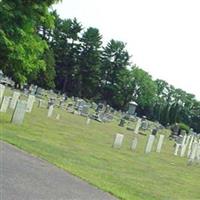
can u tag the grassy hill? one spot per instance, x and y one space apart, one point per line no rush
86 151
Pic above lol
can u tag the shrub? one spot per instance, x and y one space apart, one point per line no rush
184 127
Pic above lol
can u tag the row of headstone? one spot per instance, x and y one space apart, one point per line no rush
149 145
19 107
183 144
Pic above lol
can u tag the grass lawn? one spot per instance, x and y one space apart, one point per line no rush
86 151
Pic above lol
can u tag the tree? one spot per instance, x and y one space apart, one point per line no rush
21 48
45 77
115 58
66 46
90 63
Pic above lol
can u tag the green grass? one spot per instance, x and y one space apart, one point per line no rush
86 151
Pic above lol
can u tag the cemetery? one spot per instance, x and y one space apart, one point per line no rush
127 156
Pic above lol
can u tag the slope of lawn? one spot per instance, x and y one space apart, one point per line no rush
86 151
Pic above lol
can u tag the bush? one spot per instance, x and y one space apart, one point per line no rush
184 127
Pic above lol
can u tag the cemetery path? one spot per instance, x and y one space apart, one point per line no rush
25 177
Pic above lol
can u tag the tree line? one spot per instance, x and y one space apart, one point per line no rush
37 46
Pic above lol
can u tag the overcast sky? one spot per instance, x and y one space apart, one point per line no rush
163 36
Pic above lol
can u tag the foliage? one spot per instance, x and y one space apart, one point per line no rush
185 127
39 47
20 45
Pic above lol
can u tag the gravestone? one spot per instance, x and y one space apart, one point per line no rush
2 89
137 126
108 117
19 112
33 89
184 145
144 125
154 131
50 111
132 107
190 145
134 144
88 121
178 143
118 140
40 101
70 107
177 147
5 104
100 107
149 144
198 153
94 105
160 143
85 110
122 122
58 117
14 99
30 102
194 152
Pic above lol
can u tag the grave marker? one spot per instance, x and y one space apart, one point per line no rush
5 104
177 149
184 145
88 121
19 112
150 142
58 117
190 146
118 140
137 126
14 99
134 144
30 102
194 152
2 89
50 111
160 143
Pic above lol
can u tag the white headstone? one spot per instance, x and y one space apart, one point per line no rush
190 146
194 152
30 102
184 140
50 111
39 103
137 126
58 117
160 143
19 112
88 121
14 100
2 89
198 153
178 146
149 144
184 145
134 144
118 140
5 104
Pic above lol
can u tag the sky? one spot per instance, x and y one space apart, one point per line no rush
163 36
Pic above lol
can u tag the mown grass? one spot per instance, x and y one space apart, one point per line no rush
86 151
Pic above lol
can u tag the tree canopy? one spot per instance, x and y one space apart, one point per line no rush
37 46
